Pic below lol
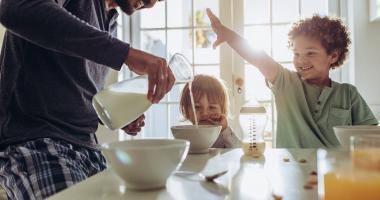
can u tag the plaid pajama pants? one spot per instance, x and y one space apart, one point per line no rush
39 168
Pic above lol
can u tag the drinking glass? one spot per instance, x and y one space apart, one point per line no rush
340 178
365 152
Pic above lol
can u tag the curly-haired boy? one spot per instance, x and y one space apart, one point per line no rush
309 104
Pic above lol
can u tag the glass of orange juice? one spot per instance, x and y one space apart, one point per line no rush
365 152
338 178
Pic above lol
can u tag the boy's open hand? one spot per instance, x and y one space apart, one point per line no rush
218 28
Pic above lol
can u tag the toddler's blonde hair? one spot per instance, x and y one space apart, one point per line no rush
211 86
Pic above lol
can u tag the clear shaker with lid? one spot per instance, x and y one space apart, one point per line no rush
253 120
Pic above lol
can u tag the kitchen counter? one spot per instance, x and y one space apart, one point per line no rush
280 172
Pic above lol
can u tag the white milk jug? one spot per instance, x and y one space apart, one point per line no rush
123 102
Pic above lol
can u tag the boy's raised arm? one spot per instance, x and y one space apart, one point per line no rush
267 66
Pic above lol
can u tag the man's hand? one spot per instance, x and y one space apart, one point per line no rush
134 127
160 77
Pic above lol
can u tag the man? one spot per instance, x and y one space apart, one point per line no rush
55 57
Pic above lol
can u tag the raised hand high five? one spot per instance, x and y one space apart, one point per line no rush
220 30
258 58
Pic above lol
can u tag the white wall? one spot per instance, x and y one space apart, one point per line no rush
365 61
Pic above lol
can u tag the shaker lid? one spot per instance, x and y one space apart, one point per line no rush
252 109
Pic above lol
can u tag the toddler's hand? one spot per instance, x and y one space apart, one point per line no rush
215 119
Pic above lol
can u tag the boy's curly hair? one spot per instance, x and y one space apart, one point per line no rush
331 32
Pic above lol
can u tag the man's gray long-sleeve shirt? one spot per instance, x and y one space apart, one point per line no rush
53 61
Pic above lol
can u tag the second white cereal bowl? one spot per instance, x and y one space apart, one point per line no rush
146 163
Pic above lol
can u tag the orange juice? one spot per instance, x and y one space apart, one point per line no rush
368 159
350 184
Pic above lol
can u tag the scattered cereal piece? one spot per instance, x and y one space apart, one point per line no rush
213 151
276 197
302 160
312 180
308 186
286 159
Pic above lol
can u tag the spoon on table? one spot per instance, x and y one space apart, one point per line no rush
208 178
214 176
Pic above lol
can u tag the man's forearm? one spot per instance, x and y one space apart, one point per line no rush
46 24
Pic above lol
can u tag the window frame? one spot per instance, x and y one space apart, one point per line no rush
232 66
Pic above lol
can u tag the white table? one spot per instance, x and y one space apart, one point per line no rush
255 177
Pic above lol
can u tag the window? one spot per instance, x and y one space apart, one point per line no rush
374 7
181 26
175 26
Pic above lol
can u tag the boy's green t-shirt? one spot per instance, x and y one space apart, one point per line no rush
306 114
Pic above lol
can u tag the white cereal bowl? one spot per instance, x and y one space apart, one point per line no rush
343 133
147 163
201 137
